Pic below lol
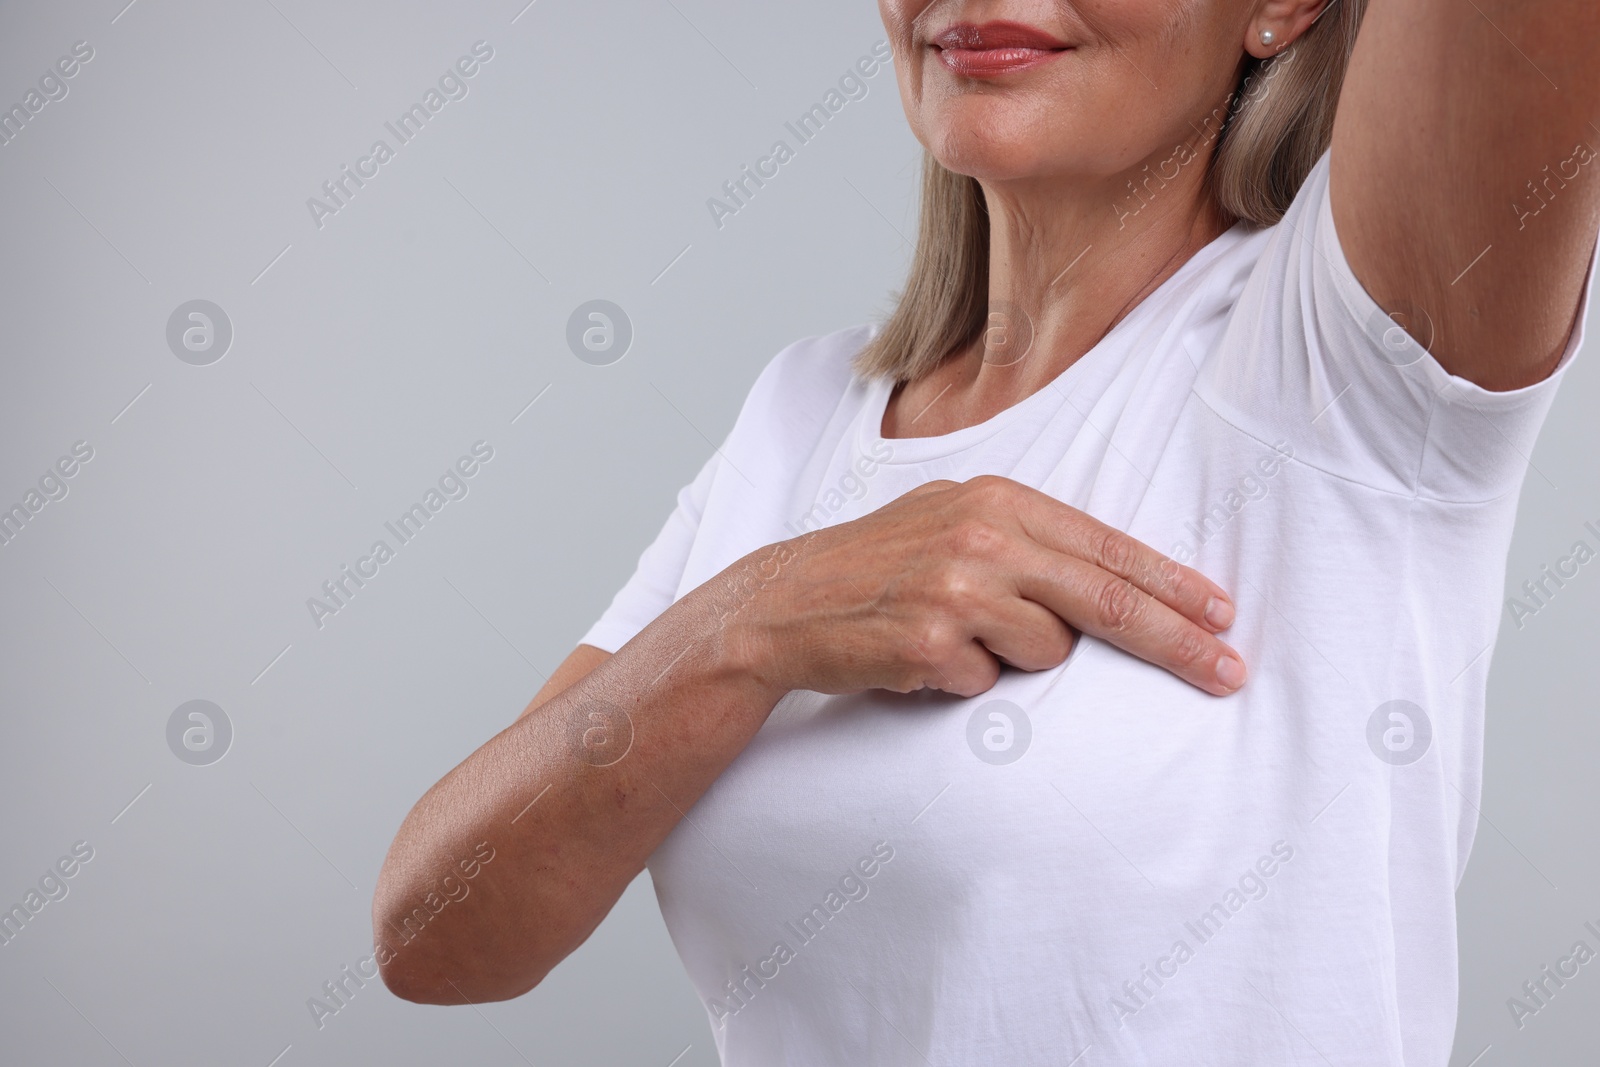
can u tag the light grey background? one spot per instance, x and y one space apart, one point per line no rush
368 354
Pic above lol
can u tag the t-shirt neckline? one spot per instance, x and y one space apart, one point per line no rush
869 427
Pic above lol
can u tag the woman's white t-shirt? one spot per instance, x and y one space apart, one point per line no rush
1099 864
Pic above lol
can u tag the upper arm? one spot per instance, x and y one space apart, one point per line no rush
653 586
1464 178
648 592
579 662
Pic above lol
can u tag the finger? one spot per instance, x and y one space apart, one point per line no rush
1024 633
1066 529
966 670
1114 609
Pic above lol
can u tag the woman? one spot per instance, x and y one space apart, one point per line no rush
918 708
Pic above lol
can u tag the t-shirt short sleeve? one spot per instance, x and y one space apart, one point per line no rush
1310 359
784 417
654 584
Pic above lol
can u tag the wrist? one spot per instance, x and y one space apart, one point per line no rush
735 619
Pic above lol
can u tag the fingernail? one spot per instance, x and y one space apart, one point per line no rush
1219 613
1230 672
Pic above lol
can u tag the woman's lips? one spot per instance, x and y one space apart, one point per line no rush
989 49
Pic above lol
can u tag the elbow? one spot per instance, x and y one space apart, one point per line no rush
424 980
443 944
423 985
426 986
408 983
441 964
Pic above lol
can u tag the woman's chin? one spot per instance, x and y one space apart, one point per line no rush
994 161
998 144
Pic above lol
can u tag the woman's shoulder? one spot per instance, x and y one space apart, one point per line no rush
817 364
804 389
809 376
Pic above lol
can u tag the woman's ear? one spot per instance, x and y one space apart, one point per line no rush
1279 23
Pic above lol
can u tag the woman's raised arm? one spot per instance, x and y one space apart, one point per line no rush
1465 181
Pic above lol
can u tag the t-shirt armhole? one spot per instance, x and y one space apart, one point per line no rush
654 584
1392 333
1477 440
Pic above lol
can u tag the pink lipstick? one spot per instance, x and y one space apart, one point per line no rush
990 49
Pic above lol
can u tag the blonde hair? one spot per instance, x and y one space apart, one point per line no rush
1269 140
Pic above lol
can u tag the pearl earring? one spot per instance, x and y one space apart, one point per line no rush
1267 37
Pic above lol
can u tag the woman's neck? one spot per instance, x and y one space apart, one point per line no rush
1065 265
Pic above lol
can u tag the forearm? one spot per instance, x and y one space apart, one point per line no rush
572 805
